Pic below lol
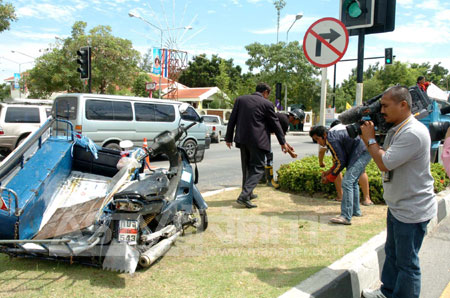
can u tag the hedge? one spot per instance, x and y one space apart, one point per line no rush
304 176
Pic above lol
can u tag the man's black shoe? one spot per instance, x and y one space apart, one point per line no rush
253 196
245 202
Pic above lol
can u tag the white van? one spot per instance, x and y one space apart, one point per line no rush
109 119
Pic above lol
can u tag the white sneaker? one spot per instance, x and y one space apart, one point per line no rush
373 294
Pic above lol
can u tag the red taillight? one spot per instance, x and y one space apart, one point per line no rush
1 131
214 128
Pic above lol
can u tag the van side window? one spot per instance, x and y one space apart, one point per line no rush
154 112
164 113
144 111
108 110
22 115
190 115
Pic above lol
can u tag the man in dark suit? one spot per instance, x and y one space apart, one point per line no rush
254 118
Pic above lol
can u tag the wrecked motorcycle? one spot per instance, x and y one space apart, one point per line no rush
64 198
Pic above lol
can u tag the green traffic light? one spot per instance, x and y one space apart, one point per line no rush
388 61
354 10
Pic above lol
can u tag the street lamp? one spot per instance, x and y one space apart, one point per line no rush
297 17
161 31
20 65
23 54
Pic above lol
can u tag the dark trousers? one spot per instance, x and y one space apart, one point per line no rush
252 162
401 270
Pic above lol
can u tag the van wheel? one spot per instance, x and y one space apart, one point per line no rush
190 146
113 146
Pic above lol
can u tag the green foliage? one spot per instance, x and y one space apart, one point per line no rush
378 78
5 92
113 63
286 63
7 15
304 176
204 72
139 85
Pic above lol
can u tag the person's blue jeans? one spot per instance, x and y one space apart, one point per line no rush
401 270
350 188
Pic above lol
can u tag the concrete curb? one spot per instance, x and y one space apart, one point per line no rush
214 192
359 269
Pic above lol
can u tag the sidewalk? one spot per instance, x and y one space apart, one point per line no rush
361 268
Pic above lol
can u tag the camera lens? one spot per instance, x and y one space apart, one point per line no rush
353 130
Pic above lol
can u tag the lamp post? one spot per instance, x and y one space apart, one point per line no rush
297 17
34 58
20 65
161 31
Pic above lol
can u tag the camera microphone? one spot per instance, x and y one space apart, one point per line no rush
350 116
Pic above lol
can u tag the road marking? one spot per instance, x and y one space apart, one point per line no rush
446 293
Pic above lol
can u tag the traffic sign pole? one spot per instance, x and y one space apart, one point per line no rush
323 96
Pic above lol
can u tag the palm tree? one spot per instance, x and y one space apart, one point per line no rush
279 5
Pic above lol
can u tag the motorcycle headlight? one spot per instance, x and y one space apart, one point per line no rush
128 205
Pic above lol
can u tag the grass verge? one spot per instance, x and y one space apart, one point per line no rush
259 252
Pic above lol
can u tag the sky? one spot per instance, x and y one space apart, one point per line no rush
221 27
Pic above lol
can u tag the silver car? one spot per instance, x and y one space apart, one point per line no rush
17 121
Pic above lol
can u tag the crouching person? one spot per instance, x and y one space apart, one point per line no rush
347 153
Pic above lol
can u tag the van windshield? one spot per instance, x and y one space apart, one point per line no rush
65 107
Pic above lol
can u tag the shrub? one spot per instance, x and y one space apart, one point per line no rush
304 176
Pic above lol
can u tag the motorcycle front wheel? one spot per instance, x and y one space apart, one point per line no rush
202 219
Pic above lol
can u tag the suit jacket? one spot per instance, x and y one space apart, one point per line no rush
254 118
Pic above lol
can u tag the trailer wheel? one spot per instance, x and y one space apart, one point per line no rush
113 146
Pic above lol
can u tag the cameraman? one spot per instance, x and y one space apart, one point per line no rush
408 192
347 153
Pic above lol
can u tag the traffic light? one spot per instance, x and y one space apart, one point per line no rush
357 13
278 91
384 18
84 60
388 56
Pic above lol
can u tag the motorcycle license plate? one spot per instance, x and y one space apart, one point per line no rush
128 231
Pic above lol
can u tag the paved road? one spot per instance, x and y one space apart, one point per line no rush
221 166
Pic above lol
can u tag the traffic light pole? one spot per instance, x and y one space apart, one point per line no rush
360 67
90 74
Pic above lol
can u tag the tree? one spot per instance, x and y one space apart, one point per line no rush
279 5
114 63
378 78
146 63
5 92
293 70
7 15
139 84
204 72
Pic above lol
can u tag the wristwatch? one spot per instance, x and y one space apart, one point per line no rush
371 142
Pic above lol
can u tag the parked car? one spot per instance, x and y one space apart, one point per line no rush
17 121
109 119
216 128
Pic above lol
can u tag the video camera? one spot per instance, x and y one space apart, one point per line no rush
371 110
